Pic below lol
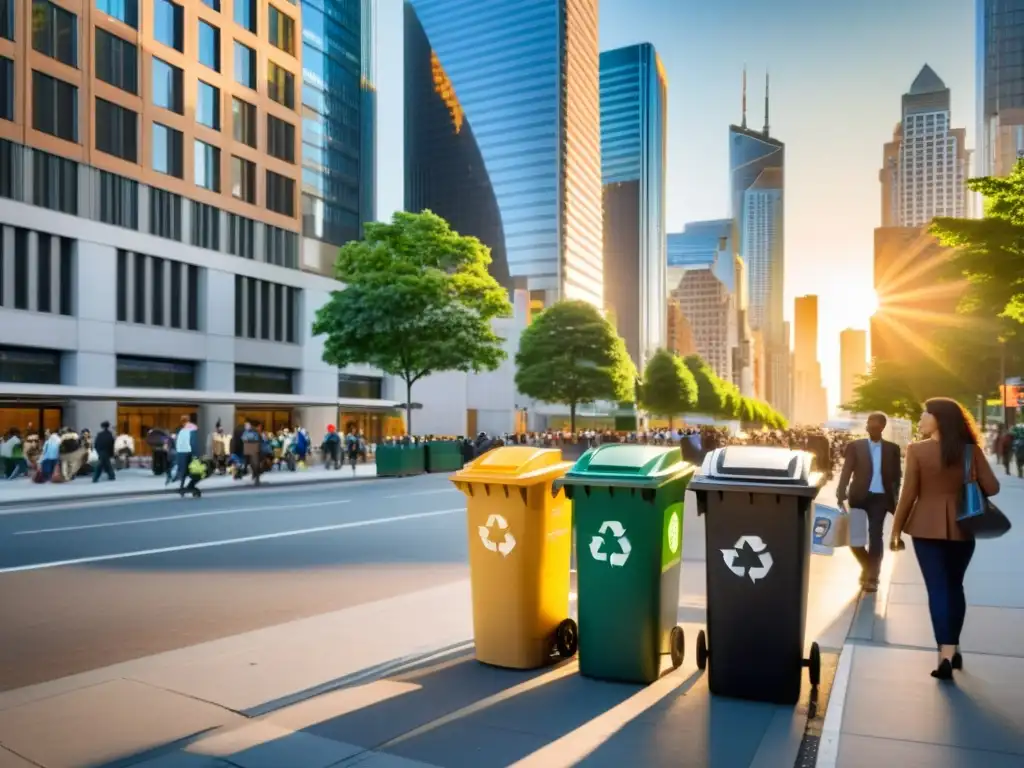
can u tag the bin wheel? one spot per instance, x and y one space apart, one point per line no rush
677 646
702 651
567 639
814 665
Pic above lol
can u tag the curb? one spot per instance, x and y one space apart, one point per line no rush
169 491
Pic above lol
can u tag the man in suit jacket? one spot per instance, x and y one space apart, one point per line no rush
876 472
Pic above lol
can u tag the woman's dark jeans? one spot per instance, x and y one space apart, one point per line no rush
943 565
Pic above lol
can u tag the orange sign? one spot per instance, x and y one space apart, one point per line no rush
1012 395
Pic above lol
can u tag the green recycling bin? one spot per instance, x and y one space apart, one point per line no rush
628 514
400 460
444 456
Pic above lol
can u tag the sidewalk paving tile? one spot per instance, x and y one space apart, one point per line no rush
264 745
381 760
868 752
181 760
66 731
11 760
996 631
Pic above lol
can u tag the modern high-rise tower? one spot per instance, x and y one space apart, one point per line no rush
853 362
999 85
757 168
810 400
508 90
634 96
925 166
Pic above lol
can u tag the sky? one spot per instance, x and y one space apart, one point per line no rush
837 73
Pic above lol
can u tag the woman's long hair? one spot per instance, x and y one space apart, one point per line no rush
956 428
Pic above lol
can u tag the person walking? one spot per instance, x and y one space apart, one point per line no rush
104 447
186 446
937 469
870 480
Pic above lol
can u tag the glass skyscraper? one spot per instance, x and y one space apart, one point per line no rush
502 135
999 85
338 110
634 95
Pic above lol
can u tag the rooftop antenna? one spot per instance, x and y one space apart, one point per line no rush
766 122
744 122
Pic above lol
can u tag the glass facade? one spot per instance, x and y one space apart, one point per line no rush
338 105
502 134
757 160
999 76
634 94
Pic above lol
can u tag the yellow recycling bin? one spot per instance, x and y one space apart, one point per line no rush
520 540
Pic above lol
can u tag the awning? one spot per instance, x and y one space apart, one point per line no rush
59 393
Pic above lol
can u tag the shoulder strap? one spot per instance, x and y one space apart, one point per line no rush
968 463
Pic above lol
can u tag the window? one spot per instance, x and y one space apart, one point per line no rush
209 46
282 247
54 182
169 24
7 19
282 30
280 194
291 315
125 11
192 308
214 4
243 122
239 308
117 130
252 314
155 373
245 14
164 214
159 266
55 32
117 61
265 310
22 365
6 88
139 288
243 179
175 291
207 166
280 139
119 200
67 255
11 172
208 106
205 226
360 387
280 85
54 107
20 268
245 65
168 149
167 86
241 238
264 380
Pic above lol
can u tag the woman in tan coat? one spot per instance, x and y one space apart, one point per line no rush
927 511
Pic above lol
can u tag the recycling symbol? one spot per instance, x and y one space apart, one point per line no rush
754 558
500 524
615 558
673 533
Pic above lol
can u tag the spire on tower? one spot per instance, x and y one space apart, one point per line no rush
744 122
766 121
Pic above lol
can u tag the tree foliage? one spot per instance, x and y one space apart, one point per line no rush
570 355
418 299
669 388
710 397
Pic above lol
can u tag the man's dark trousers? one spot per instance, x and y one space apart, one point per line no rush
870 559
103 464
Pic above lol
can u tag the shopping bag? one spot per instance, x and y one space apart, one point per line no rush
831 529
857 528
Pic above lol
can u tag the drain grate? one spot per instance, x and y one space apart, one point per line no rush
815 708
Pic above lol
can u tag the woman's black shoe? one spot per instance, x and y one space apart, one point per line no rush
944 672
958 661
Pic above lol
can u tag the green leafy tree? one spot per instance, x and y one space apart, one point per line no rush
418 299
710 398
990 251
732 400
669 388
570 355
748 410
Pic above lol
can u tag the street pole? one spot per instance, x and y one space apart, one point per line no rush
1002 387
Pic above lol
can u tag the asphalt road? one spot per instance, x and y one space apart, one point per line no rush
86 585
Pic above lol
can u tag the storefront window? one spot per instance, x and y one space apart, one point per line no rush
272 420
359 387
20 365
38 420
138 420
263 380
373 426
155 373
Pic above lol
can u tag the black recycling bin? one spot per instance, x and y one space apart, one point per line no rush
757 503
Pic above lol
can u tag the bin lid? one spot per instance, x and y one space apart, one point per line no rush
759 467
514 465
634 466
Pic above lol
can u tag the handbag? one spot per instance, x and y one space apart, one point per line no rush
977 515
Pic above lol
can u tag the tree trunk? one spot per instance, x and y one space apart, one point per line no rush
670 425
408 407
572 418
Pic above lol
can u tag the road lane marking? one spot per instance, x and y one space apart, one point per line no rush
422 493
225 542
164 518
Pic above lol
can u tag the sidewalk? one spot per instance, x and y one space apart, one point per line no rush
887 710
142 482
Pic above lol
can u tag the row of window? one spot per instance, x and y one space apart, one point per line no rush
36 271
155 291
265 310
